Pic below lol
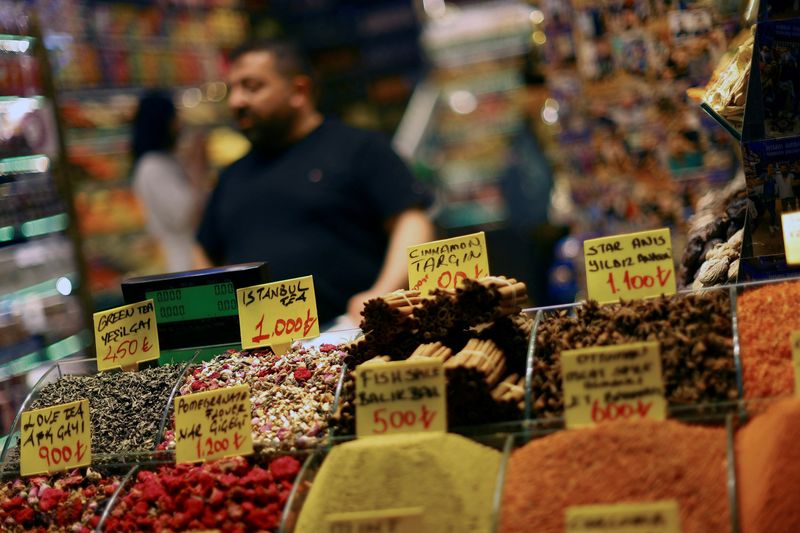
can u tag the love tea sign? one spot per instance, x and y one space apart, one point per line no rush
55 438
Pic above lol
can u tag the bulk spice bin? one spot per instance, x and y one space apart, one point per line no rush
126 409
640 461
767 317
696 332
479 333
457 481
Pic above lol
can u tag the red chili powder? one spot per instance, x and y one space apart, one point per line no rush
767 318
619 462
768 470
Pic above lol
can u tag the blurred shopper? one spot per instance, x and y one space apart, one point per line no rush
527 184
172 202
313 196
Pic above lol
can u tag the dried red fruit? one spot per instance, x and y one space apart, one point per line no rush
49 498
302 374
284 468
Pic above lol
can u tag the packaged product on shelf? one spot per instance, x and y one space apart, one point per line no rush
453 478
229 495
768 469
620 462
715 238
694 332
292 395
72 501
727 89
125 408
766 320
477 331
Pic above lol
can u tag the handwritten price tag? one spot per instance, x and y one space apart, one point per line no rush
400 397
213 424
603 384
634 265
791 237
55 438
277 313
126 335
651 517
446 263
401 520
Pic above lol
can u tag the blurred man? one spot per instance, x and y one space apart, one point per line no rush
312 196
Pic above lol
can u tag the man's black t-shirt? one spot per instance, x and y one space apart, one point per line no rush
319 207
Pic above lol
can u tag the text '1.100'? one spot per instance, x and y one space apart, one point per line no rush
637 282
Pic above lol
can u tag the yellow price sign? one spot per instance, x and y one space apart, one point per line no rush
791 237
400 520
795 340
607 383
126 335
278 313
446 263
647 517
633 265
213 424
400 397
55 438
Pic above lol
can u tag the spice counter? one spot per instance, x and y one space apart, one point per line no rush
703 328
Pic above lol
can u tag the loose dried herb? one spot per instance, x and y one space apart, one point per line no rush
693 331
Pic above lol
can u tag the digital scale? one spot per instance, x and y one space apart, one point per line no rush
197 309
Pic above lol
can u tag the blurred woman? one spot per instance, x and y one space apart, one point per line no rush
171 200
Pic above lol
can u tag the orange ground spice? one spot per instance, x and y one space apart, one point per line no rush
767 317
619 462
768 470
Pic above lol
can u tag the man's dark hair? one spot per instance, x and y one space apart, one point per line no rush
152 128
289 58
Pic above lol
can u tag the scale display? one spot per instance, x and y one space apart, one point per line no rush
197 308
194 303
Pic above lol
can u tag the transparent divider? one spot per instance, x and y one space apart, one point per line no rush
168 408
123 484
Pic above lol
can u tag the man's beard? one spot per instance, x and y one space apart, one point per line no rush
269 134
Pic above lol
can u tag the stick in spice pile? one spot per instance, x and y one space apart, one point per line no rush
477 331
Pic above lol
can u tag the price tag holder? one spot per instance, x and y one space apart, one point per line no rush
213 424
401 520
634 265
795 340
650 517
791 237
55 438
277 313
445 264
126 335
603 384
400 397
